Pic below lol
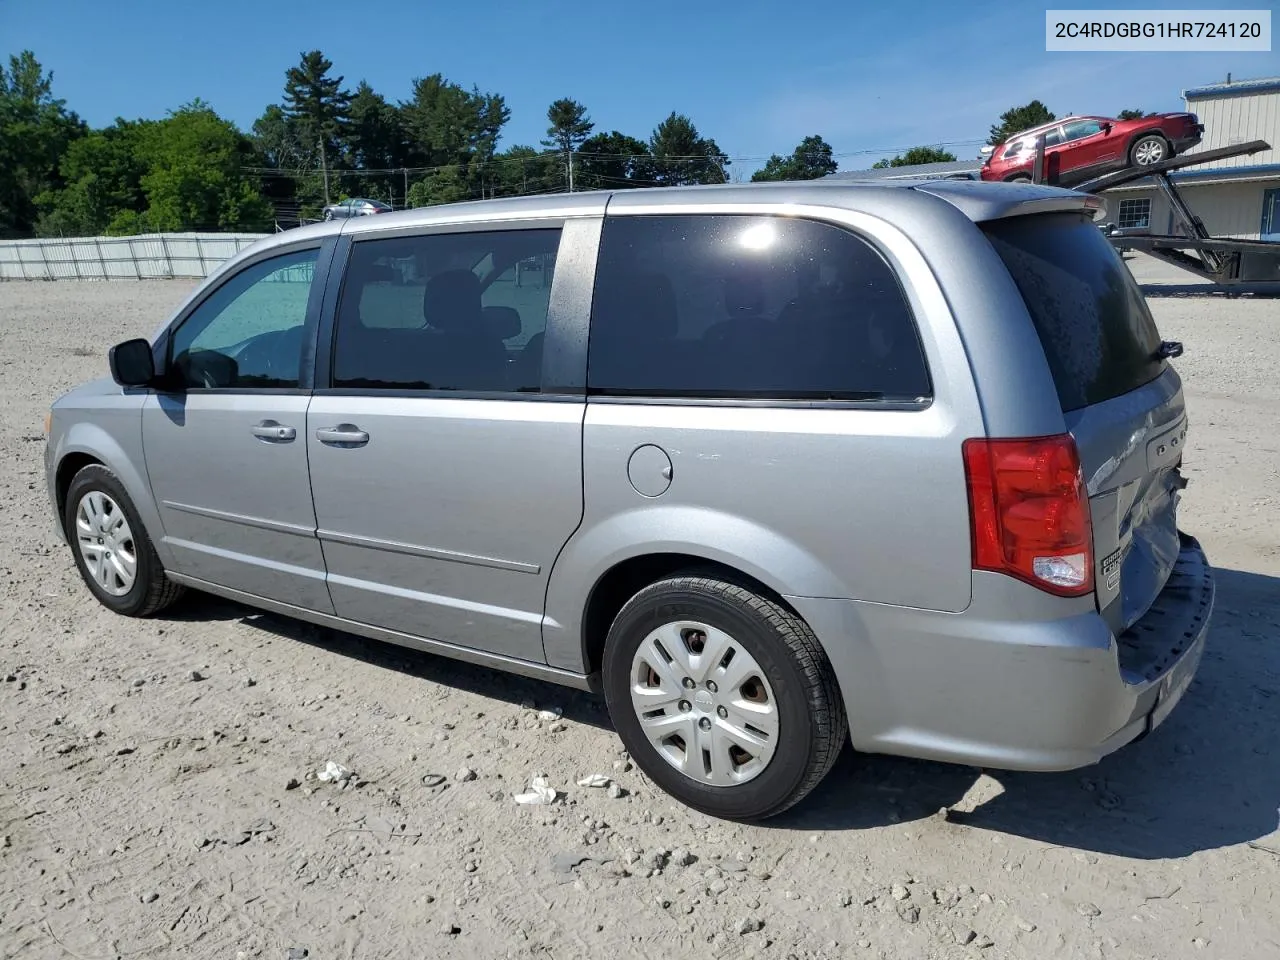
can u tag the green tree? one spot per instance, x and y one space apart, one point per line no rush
194 177
613 161
447 125
1132 114
568 127
103 172
375 141
1017 119
915 156
681 155
521 170
317 103
278 142
35 130
809 161
445 185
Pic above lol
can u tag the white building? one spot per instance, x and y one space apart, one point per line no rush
1238 197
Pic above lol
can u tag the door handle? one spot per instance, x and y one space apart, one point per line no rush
343 435
270 431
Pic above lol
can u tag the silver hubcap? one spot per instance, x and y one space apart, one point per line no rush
1149 152
106 543
704 703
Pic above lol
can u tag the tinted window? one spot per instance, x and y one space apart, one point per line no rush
1093 321
748 307
462 311
248 332
1053 137
1082 128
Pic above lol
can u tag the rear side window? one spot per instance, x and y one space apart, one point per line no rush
747 307
1097 333
451 311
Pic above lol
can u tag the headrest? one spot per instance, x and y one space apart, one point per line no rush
373 273
644 297
451 301
502 322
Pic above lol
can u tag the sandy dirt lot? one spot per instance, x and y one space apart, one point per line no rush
148 814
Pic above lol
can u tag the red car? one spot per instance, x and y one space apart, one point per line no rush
1080 148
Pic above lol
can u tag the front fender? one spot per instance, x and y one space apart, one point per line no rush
758 551
116 443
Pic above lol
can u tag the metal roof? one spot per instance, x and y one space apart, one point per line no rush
1236 88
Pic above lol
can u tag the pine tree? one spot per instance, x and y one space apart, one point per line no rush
318 104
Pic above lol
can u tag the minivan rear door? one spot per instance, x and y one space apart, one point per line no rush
1122 401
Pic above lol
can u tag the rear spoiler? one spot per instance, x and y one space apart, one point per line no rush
1013 200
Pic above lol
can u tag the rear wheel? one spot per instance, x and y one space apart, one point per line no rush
723 697
1150 149
113 553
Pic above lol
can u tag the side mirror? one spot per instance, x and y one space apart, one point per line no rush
131 363
1106 129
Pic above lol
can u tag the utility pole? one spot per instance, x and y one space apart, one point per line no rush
406 186
569 154
324 169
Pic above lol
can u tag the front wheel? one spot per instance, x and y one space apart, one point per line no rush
723 697
1019 178
1150 149
113 553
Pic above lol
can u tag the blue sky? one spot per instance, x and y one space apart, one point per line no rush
755 76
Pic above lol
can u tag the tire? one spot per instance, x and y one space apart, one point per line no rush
785 671
328 215
101 493
1019 178
1153 147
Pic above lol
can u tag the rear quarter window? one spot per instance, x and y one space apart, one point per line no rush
1093 322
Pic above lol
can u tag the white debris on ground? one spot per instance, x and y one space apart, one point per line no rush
146 815
540 792
334 773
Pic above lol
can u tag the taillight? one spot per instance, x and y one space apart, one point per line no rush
1030 513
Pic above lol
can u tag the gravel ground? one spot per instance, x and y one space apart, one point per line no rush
145 813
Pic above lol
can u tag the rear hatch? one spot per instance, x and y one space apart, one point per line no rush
1121 399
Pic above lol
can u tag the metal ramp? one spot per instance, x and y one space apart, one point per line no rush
1219 259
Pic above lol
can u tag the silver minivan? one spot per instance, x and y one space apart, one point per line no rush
774 467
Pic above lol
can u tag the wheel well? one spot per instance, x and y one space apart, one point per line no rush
626 579
71 464
1128 151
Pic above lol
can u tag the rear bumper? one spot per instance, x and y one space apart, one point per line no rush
1182 144
1018 681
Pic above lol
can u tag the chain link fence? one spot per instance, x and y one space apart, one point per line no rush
156 256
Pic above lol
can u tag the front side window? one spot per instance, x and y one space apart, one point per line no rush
1081 129
457 311
248 332
1053 137
749 307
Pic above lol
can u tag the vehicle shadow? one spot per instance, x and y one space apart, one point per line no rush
578 706
1207 777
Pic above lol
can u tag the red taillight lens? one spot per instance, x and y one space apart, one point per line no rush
1030 513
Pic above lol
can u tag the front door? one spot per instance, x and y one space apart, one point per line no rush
1086 149
226 448
445 481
